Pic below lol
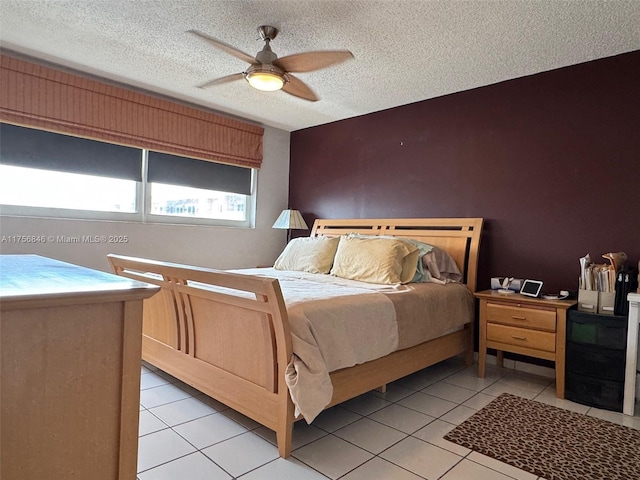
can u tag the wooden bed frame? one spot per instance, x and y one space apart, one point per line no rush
236 348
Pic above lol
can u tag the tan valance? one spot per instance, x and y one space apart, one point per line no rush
41 97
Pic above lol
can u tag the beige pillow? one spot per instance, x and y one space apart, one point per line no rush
375 260
411 265
308 254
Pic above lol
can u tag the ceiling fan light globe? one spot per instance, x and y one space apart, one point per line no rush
265 81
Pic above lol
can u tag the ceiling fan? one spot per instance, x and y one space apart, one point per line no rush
267 72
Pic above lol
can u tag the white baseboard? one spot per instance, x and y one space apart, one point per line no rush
521 366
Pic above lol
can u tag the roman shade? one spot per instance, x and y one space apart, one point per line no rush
46 98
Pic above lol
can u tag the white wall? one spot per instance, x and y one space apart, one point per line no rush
215 247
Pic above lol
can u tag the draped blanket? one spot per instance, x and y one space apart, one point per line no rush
337 323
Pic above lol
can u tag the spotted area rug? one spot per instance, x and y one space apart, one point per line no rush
551 442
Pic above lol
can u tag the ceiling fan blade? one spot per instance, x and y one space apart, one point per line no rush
227 79
224 47
298 88
310 61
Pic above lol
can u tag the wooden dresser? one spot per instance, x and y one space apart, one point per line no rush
70 344
525 325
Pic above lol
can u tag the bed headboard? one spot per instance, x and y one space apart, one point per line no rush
460 237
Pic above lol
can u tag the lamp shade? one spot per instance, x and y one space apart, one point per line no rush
290 219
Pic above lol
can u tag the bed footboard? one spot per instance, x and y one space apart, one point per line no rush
225 334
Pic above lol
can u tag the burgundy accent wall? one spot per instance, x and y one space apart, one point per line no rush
550 161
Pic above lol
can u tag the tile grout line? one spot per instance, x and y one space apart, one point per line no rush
445 380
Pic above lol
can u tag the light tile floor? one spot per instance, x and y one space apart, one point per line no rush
377 436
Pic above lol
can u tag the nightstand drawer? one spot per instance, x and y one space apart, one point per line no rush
525 317
521 337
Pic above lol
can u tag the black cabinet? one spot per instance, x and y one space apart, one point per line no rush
595 359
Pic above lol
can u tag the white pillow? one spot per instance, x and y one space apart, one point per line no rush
375 260
308 254
440 265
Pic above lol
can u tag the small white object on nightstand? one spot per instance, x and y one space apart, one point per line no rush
506 283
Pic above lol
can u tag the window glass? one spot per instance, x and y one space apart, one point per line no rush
33 187
197 203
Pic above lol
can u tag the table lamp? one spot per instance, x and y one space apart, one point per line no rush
291 220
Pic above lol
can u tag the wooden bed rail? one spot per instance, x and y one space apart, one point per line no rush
225 334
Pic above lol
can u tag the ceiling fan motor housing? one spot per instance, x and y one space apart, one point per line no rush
265 68
266 55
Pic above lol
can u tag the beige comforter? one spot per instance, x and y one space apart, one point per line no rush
337 323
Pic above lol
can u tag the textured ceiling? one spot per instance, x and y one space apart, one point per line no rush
405 51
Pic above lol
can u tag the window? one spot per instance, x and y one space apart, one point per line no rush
33 187
48 174
198 189
196 203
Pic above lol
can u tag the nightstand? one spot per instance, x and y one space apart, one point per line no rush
525 325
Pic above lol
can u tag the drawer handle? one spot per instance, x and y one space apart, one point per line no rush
516 337
517 317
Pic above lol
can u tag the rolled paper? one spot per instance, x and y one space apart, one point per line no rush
584 261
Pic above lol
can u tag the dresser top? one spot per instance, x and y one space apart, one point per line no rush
32 278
